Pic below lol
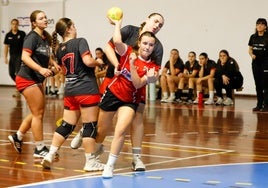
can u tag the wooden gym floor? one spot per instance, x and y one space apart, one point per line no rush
178 137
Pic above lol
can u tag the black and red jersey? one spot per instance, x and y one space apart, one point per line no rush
80 79
39 49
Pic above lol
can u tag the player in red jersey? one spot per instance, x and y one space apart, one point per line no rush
134 71
130 35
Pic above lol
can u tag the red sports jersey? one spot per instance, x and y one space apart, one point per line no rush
121 86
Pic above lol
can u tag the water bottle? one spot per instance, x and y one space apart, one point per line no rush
200 98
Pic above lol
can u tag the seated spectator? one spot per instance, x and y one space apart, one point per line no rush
170 76
206 76
191 69
227 77
100 71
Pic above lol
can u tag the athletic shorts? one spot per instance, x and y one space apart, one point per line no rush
75 102
106 81
22 83
109 102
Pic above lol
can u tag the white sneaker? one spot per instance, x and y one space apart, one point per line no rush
228 101
108 171
164 99
77 140
171 99
137 165
195 101
219 101
47 161
209 101
93 165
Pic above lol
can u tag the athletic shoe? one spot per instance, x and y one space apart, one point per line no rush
209 101
46 162
138 165
179 100
93 165
164 99
256 109
219 101
189 101
108 171
41 153
264 109
195 101
228 101
15 142
77 140
171 99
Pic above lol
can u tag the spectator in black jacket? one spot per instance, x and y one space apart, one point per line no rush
227 76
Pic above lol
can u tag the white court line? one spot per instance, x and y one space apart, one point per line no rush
185 146
187 158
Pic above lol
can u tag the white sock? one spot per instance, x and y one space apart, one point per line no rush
53 150
136 151
197 94
165 94
172 94
20 135
112 159
211 95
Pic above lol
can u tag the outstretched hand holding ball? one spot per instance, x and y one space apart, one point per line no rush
114 13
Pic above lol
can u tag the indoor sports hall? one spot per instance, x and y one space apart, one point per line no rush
184 145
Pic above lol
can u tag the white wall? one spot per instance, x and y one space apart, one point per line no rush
21 9
199 25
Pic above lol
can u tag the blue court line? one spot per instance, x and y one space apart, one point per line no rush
241 175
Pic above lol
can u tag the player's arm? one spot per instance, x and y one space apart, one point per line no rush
120 46
90 61
26 58
110 53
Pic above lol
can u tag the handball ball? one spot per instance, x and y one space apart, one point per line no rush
115 13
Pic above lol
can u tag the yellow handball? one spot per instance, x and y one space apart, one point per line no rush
58 122
115 13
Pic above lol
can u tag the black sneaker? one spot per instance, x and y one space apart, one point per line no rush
256 109
264 109
15 142
41 153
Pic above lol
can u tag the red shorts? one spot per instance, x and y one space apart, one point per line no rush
104 84
75 102
22 83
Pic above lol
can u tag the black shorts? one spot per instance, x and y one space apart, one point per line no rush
109 102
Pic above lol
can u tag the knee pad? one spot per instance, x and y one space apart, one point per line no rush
90 129
65 129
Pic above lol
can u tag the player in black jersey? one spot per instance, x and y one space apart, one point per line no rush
29 81
81 95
